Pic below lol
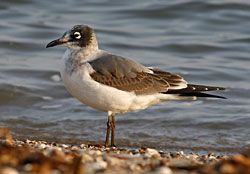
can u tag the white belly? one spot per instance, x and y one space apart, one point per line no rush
101 97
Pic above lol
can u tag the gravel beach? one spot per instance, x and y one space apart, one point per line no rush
20 157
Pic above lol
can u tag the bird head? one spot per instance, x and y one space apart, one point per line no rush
80 36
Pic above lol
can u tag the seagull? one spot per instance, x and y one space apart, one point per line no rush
115 84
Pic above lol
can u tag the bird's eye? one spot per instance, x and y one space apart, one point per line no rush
77 35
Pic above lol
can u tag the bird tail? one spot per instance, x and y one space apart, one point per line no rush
197 90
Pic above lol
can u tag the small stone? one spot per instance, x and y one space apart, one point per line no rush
166 155
162 170
112 161
55 172
42 146
74 148
53 144
227 168
210 154
87 158
28 167
8 170
195 156
134 152
83 146
151 153
98 166
64 146
174 154
95 152
58 148
181 152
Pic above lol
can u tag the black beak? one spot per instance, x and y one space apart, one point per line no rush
55 43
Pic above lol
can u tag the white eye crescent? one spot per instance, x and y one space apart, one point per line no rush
77 35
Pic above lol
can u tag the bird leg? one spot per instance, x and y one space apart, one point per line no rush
110 124
108 131
113 131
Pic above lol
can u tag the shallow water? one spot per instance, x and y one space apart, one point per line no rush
205 41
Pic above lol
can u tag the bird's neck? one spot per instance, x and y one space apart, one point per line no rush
81 54
74 58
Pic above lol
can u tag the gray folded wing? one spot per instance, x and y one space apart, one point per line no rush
128 75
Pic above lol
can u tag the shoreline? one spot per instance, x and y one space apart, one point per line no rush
122 144
32 156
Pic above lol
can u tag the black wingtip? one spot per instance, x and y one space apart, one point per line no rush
221 88
204 88
201 94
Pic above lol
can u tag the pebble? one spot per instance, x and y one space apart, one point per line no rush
228 169
64 146
100 165
92 159
175 154
42 146
162 170
87 158
95 152
134 151
74 148
8 170
83 146
112 161
149 153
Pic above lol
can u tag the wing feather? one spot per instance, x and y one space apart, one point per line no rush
128 75
143 83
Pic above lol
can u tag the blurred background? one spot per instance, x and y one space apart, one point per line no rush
206 41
